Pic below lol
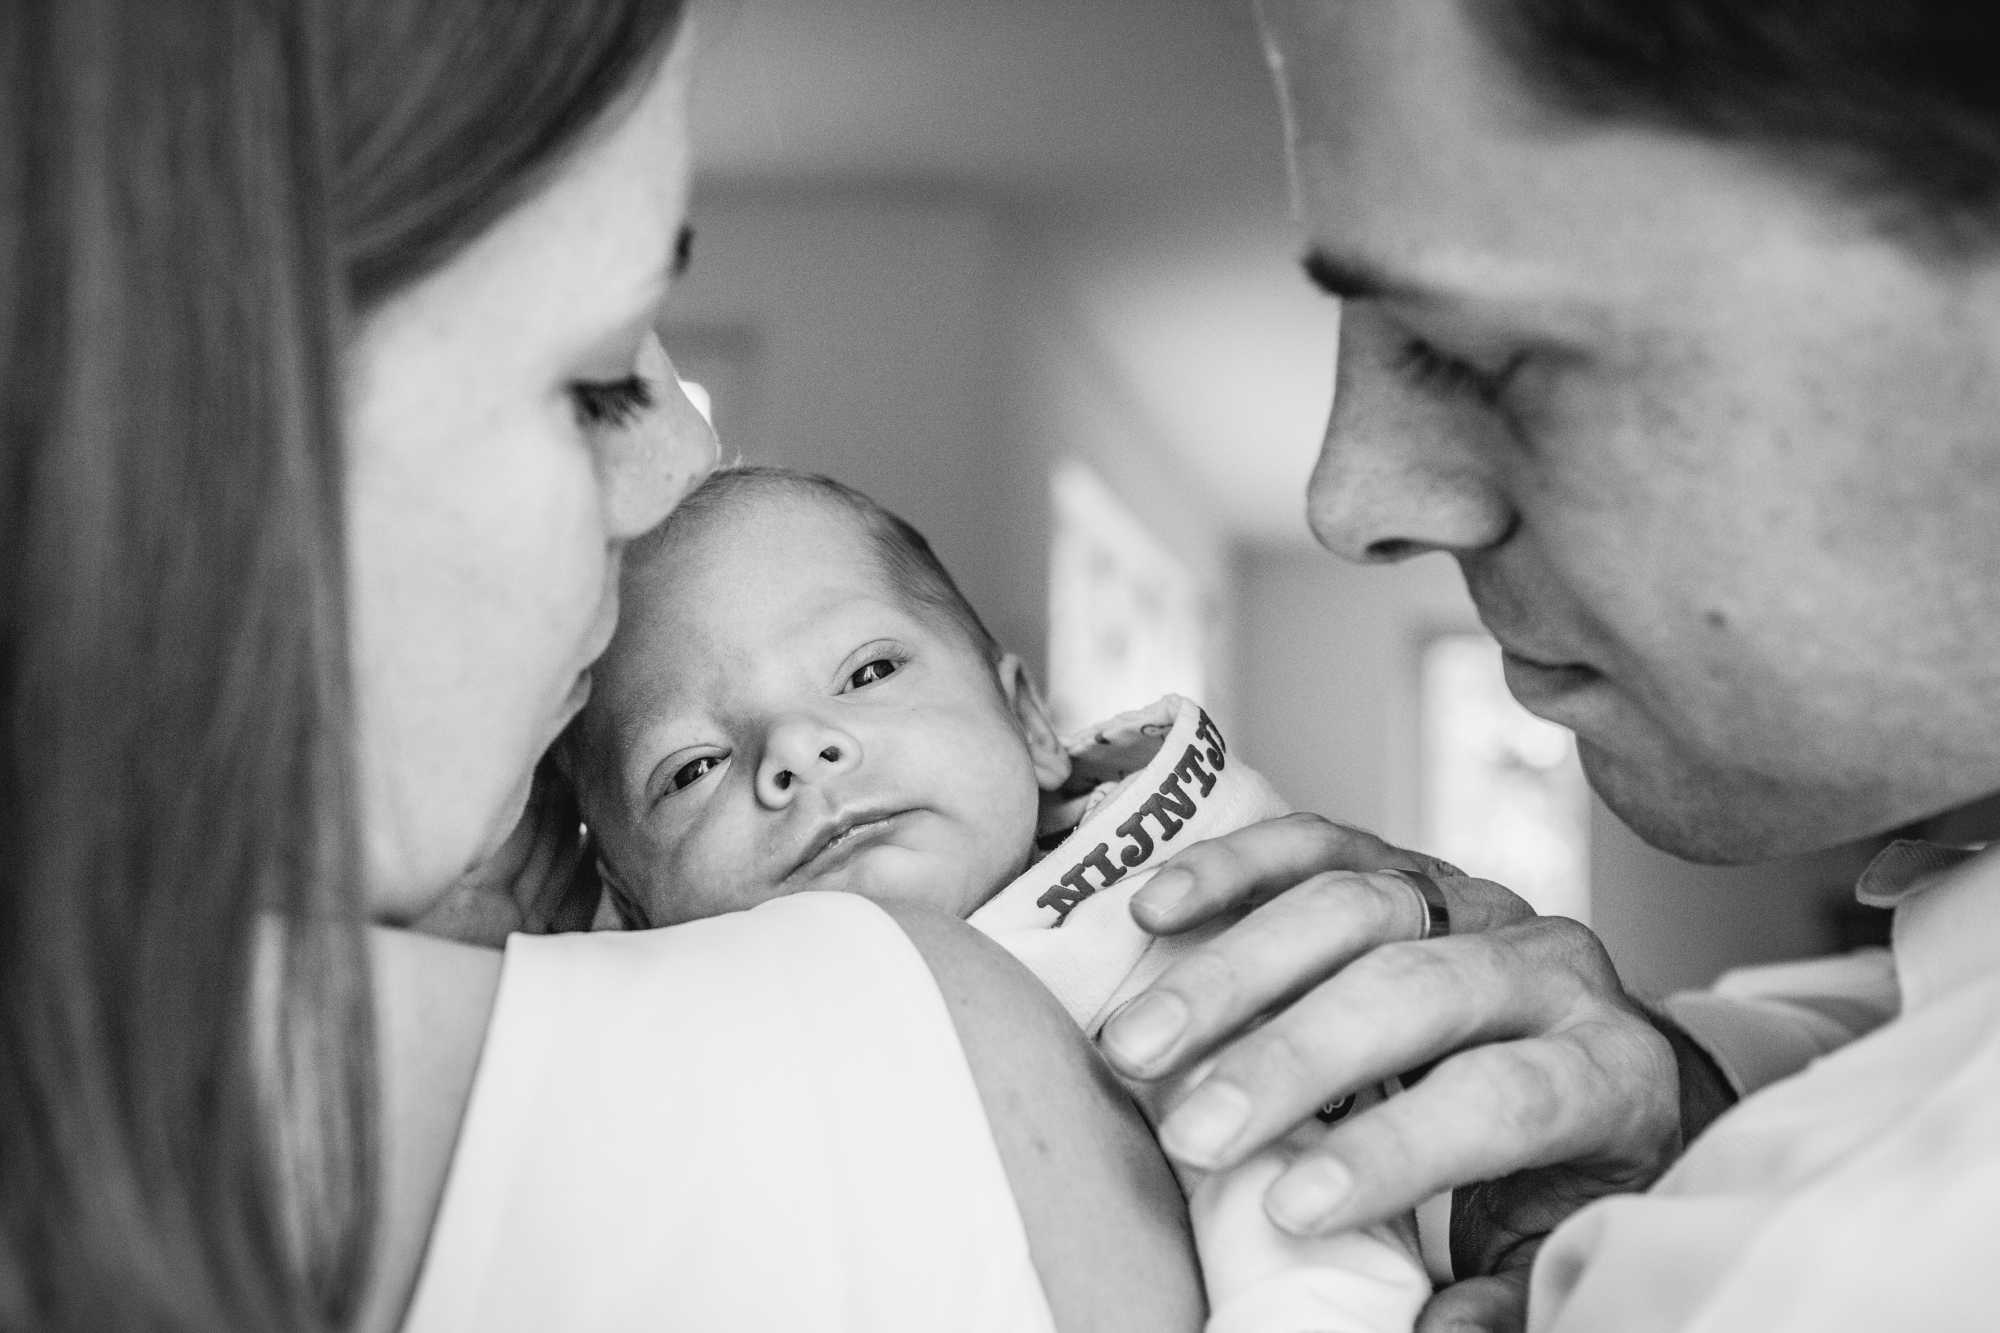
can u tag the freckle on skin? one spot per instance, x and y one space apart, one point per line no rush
1715 620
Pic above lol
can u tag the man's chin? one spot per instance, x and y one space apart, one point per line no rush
1709 818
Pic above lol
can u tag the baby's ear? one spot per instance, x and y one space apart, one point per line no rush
1017 687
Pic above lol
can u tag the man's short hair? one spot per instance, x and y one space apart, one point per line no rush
907 561
1895 102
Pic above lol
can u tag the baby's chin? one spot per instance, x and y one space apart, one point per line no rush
885 874
896 875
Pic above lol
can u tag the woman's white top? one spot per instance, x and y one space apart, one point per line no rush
760 1121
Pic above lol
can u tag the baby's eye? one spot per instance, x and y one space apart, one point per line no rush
693 771
880 668
612 404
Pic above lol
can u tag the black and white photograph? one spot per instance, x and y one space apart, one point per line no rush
999 666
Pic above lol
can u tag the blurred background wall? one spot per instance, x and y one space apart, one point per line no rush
945 251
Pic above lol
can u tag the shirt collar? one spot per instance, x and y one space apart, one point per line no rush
1947 902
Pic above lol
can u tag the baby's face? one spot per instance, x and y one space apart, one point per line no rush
773 717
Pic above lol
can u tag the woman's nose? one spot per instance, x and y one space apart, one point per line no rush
1399 476
650 467
803 752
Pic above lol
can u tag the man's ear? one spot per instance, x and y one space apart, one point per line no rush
1017 687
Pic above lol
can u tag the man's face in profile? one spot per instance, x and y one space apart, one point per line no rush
1716 454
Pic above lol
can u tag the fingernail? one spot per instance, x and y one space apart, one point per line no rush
1306 1194
1143 1031
1202 1127
1158 899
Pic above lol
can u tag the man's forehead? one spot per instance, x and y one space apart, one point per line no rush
1356 77
1401 169
1419 163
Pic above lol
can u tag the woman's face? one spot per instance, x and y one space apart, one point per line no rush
512 422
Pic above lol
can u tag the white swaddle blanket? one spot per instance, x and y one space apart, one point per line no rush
1145 785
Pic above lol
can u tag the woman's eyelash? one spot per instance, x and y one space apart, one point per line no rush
612 403
1426 367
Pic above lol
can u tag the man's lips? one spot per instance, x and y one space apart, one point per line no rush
1531 679
1539 661
1537 673
1517 654
846 832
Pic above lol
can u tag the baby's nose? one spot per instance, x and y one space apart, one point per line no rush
804 752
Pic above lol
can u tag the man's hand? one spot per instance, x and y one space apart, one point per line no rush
1531 1076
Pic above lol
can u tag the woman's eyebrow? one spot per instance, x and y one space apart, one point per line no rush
672 265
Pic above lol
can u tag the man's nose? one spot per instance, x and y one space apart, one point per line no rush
803 752
1400 475
651 467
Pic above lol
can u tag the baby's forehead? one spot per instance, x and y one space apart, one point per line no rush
776 515
759 567
768 571
697 559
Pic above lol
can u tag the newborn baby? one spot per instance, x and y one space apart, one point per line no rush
799 698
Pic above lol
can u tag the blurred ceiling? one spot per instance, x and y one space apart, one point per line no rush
1139 138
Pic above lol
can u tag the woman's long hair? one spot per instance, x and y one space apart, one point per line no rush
194 195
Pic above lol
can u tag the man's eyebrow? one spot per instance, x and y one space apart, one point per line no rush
1354 278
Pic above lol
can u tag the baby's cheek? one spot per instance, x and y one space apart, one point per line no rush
1005 849
666 882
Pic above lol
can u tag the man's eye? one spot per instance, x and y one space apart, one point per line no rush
1426 367
693 771
880 668
612 403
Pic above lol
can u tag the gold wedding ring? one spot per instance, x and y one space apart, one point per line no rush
1435 911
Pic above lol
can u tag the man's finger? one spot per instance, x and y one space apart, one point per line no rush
1497 1304
1357 1029
1257 863
1483 1114
1326 926
1271 956
1542 976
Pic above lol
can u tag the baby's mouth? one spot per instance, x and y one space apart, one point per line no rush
842 837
